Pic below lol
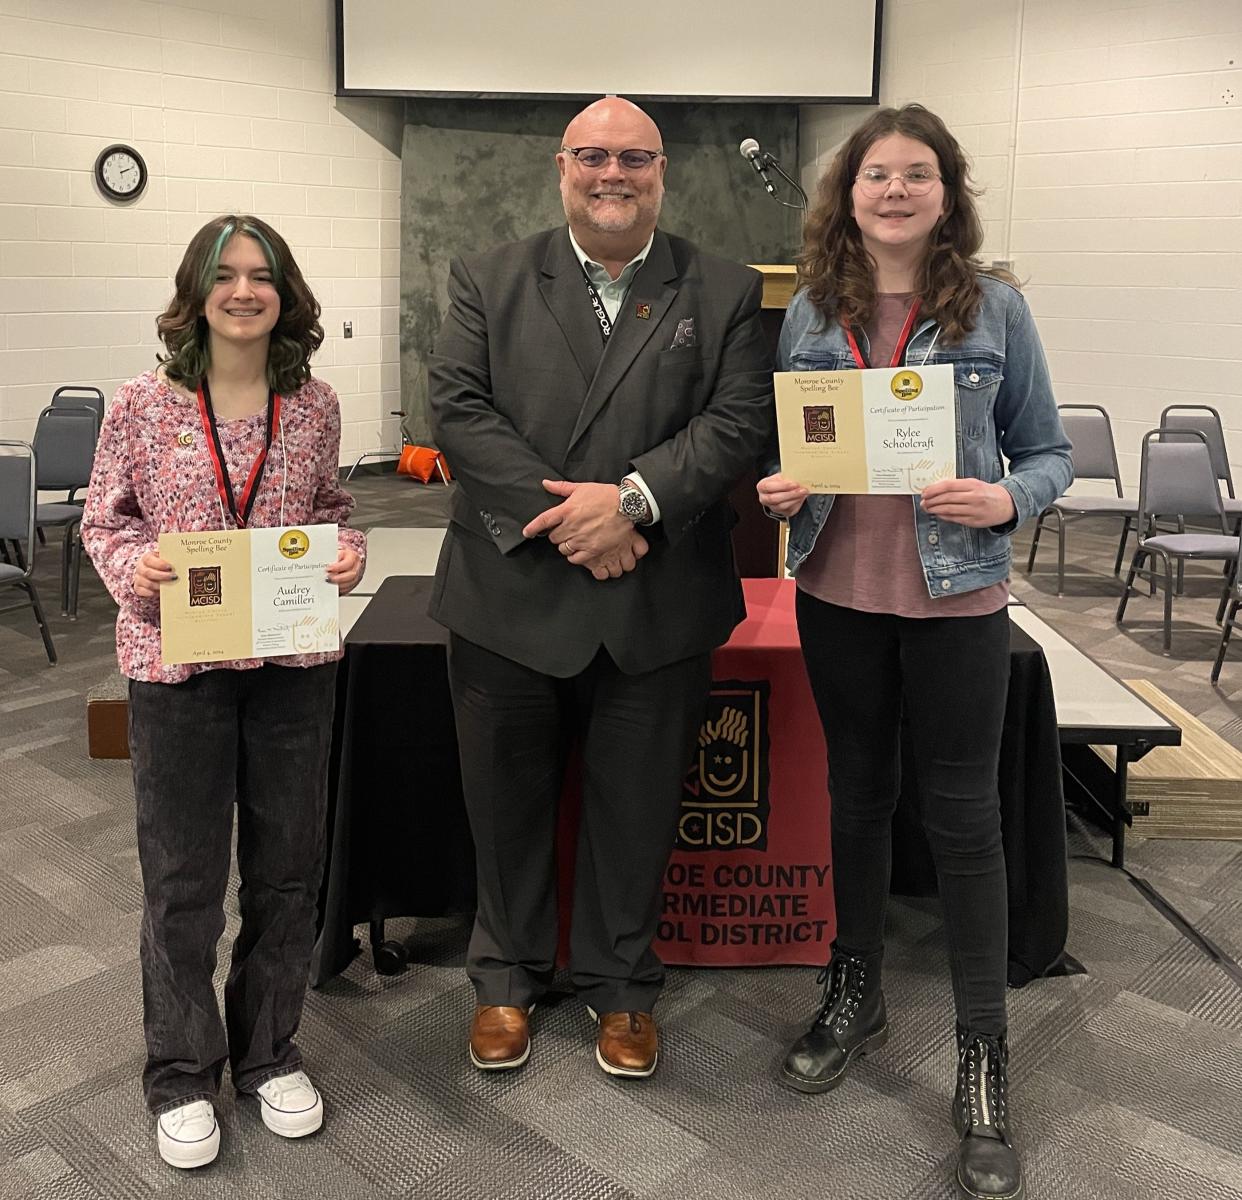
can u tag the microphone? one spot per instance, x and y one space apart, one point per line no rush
761 160
751 152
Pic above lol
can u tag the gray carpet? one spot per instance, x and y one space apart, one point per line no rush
1127 1081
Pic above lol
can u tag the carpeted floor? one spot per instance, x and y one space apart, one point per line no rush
1127 1081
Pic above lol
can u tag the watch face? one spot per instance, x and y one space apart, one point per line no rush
633 503
121 172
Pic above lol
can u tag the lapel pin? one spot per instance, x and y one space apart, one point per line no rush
185 438
643 312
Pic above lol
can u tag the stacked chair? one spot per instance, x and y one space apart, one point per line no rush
17 530
1095 458
1178 480
64 449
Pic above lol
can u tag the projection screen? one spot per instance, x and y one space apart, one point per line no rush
816 51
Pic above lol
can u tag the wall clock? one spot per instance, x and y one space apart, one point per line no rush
120 172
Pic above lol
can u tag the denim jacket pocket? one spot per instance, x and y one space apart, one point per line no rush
976 382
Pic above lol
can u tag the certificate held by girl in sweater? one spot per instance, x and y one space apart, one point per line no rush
884 430
249 593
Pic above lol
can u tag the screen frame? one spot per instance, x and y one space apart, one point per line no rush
873 98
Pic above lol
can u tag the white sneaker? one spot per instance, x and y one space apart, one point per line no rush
188 1136
290 1105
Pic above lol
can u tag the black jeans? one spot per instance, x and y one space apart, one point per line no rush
259 738
950 674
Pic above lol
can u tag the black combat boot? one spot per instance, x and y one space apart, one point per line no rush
851 1021
987 1164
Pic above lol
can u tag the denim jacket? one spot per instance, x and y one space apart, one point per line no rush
1004 406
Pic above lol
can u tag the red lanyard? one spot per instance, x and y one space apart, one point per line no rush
223 484
899 350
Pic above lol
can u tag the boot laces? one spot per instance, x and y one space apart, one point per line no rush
843 980
983 1076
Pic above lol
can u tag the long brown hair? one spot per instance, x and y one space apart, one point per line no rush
183 327
834 265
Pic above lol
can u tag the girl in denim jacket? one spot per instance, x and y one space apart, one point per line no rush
902 600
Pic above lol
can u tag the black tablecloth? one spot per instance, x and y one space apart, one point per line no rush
399 842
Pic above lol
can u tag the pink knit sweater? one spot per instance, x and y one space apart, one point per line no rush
151 478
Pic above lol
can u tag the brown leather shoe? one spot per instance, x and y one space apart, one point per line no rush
628 1044
499 1037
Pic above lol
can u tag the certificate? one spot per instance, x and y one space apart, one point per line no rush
249 593
889 430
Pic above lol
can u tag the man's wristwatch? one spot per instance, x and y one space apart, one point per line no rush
632 504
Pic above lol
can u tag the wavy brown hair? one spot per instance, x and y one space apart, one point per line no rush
183 327
834 265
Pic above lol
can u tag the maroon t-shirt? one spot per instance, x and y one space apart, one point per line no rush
866 556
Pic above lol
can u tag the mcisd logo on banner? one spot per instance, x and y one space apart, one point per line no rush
724 804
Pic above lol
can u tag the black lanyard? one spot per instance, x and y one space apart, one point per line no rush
224 485
601 313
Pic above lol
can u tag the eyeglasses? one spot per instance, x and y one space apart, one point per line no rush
594 157
874 181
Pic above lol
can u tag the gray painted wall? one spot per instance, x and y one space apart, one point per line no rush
475 173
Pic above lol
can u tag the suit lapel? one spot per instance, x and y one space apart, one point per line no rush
655 286
564 291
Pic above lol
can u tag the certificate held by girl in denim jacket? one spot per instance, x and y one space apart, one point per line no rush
249 593
884 430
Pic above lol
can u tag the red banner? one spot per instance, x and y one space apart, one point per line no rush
749 882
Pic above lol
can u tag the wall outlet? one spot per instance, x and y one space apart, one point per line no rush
1002 264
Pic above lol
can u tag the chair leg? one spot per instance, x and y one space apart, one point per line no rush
1139 555
1060 554
44 631
66 551
75 570
1224 596
1121 546
1168 603
1039 524
1224 641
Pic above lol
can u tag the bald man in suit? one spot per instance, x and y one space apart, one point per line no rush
597 389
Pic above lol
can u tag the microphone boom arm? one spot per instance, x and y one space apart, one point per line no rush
771 162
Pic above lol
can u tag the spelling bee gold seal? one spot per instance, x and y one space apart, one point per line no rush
906 385
293 543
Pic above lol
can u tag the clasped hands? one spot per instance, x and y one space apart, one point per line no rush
969 502
588 530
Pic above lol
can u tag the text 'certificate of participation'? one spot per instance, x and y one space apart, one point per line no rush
881 430
249 593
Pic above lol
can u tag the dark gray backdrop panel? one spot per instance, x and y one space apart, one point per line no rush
475 173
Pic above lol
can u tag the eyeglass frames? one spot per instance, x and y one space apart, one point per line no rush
594 157
873 181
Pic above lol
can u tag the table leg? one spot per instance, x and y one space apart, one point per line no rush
1120 812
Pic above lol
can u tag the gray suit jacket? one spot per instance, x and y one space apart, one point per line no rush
523 388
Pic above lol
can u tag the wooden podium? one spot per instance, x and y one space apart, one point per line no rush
756 537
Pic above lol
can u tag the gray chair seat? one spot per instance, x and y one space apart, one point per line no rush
1210 545
8 571
1092 506
58 514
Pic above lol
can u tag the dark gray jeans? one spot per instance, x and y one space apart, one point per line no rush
260 739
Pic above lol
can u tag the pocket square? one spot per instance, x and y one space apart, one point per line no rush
685 335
